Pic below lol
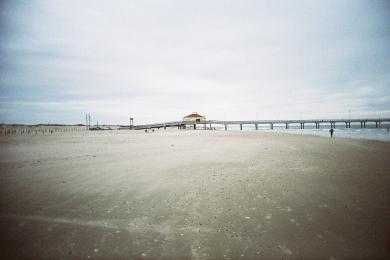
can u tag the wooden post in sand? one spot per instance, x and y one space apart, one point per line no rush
131 123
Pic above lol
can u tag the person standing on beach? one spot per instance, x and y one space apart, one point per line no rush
331 132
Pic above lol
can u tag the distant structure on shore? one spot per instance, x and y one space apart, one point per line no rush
194 117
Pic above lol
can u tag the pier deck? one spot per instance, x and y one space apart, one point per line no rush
317 122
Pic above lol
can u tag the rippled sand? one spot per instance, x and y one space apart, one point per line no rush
193 194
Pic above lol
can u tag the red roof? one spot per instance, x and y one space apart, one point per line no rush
194 114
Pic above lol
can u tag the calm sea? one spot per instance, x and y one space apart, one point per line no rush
355 132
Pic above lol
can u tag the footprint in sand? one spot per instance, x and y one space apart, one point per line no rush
285 249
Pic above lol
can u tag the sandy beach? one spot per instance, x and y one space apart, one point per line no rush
193 194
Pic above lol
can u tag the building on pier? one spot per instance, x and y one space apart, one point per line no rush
194 117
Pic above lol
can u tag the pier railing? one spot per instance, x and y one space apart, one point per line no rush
317 122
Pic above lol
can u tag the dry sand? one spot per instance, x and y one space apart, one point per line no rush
193 194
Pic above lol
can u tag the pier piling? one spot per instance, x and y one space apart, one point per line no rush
256 123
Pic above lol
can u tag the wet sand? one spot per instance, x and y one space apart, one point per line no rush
193 194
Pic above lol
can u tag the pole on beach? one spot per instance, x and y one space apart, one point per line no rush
131 123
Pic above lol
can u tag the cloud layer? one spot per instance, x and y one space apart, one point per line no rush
160 60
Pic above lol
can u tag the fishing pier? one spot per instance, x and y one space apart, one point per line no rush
346 123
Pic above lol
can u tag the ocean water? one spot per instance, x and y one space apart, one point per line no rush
365 133
355 132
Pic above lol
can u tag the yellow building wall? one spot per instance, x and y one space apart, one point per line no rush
193 119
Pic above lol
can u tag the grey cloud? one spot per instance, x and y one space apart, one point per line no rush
160 59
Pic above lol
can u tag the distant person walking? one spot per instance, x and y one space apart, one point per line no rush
331 132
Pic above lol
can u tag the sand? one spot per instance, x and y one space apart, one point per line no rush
193 194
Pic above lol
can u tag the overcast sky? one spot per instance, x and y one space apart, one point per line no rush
161 60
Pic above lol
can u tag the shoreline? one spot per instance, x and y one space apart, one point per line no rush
379 134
